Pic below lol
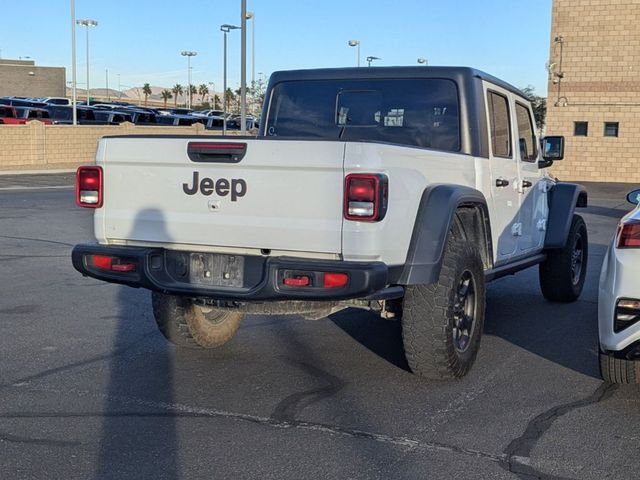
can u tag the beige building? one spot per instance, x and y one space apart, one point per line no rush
594 89
24 78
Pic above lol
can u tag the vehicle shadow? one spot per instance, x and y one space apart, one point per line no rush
138 437
381 337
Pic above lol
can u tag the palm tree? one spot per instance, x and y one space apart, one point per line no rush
177 90
146 91
202 91
166 95
216 102
192 91
230 97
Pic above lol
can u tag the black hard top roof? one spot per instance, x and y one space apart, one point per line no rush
391 72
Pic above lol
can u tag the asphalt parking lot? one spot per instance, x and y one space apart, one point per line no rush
90 390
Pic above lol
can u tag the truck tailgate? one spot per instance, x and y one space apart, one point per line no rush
281 195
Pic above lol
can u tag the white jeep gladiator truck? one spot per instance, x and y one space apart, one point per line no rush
398 190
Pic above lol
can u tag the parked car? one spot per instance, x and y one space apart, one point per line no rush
619 301
10 116
32 113
399 190
22 102
63 114
178 120
111 117
56 100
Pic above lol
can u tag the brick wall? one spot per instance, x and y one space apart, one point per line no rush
36 146
595 78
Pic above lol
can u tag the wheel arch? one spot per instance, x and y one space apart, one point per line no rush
439 206
563 199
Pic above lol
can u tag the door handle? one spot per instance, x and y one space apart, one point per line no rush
526 184
501 182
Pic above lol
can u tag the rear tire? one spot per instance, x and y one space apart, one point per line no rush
619 370
186 324
563 273
442 322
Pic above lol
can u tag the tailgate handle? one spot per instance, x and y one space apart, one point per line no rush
212 152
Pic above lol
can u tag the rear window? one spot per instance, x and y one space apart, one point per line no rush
415 112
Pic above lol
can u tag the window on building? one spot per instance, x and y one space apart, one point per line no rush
580 129
499 124
611 129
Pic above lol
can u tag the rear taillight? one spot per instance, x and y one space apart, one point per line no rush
89 187
365 197
629 235
627 314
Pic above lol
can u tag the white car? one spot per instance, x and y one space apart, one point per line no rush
619 301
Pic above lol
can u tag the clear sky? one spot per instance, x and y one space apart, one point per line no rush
142 39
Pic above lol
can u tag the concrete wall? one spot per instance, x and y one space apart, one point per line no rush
36 146
23 78
595 79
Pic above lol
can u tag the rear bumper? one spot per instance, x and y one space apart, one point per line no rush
230 277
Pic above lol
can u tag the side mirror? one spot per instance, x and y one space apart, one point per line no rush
634 197
552 150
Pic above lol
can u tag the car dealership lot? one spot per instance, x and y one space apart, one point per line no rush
90 389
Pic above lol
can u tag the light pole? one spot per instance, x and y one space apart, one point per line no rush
226 28
372 59
87 23
74 95
189 54
356 43
423 61
252 16
119 89
243 67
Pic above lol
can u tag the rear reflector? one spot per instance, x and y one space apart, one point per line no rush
365 197
89 187
335 280
629 235
302 281
109 263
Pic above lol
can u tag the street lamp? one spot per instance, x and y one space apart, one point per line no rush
87 23
356 43
422 61
252 16
372 59
226 28
189 54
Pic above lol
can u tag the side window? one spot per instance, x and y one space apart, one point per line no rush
500 126
526 135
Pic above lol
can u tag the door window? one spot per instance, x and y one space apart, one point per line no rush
526 135
499 124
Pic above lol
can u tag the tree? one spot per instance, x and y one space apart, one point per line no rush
539 105
177 90
166 95
146 91
202 91
216 102
238 97
192 91
230 97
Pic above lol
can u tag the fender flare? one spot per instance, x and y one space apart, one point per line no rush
431 228
563 199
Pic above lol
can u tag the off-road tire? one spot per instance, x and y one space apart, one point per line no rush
559 280
429 318
619 370
187 324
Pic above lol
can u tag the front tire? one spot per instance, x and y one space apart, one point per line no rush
619 370
563 273
187 324
442 322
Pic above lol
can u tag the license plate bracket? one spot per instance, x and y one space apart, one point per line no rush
216 270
